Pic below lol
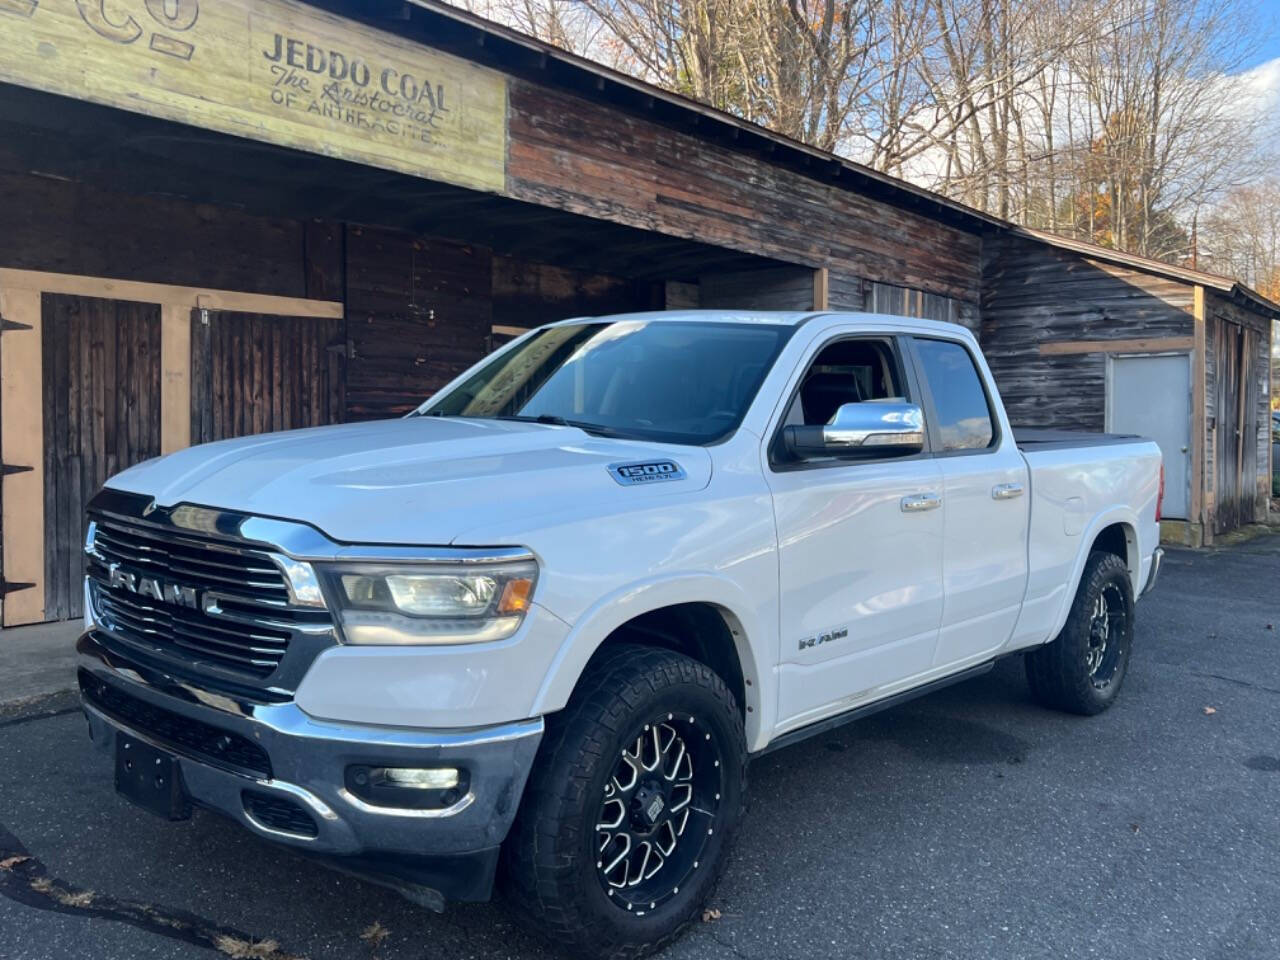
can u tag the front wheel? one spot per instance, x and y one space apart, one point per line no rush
625 822
1082 670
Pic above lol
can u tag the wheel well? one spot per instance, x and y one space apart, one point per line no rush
1118 538
698 630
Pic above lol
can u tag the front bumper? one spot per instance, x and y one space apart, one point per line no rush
277 750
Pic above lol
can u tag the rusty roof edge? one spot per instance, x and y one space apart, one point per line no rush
977 219
1269 306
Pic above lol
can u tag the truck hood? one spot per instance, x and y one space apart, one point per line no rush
418 480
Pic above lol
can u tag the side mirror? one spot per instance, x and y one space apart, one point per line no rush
870 429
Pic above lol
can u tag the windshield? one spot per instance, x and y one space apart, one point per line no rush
671 381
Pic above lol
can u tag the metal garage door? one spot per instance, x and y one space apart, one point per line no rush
1151 396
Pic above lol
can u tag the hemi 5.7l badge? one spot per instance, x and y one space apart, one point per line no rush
649 471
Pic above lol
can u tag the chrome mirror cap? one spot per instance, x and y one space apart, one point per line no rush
869 429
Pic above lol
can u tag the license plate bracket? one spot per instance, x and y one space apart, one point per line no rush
150 778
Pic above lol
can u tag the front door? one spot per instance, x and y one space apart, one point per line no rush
860 570
1151 397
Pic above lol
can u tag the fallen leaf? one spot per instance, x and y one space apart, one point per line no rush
239 949
81 899
1210 711
8 863
375 934
710 914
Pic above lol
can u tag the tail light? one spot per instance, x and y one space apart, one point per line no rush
1160 495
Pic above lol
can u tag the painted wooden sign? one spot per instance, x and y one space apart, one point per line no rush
272 70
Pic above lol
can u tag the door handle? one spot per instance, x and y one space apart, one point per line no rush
1006 491
919 502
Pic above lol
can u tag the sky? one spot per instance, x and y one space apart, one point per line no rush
1269 29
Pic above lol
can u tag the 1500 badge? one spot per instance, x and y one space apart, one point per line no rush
839 633
649 471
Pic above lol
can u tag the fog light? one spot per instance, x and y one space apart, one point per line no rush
408 788
438 778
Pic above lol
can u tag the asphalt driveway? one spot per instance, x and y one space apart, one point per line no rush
968 824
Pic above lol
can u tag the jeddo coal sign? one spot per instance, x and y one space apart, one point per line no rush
372 93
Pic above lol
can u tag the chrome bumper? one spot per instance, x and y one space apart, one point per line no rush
308 763
1156 557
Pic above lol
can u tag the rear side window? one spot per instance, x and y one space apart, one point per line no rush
962 413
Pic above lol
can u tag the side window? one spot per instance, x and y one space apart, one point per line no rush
963 415
846 371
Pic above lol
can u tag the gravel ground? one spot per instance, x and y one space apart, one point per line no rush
967 824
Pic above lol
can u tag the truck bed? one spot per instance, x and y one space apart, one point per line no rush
1037 438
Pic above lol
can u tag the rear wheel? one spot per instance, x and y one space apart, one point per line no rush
1082 670
633 799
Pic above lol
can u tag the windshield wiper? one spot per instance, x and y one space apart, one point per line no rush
551 418
558 421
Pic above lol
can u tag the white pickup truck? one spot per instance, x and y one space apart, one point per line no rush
535 630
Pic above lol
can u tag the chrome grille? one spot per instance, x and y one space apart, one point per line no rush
239 618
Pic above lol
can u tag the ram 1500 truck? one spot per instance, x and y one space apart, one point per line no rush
534 630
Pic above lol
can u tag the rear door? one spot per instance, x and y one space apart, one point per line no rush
860 565
984 480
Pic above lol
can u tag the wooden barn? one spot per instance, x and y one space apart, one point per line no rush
1082 337
223 219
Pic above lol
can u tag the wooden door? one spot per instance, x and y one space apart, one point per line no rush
101 391
256 373
1235 431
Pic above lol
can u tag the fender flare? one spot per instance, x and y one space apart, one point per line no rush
751 638
1116 514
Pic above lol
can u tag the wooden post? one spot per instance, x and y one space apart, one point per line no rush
22 401
821 289
1198 512
175 376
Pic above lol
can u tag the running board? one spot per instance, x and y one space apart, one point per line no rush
867 709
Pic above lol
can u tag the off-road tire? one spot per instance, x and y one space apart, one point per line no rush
1059 672
550 876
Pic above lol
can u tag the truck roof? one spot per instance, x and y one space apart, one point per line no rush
792 318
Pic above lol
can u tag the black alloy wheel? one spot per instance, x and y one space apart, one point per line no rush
658 810
630 807
1082 670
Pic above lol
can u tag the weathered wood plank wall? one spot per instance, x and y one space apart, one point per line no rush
101 385
846 292
1036 295
773 288
61 227
419 312
253 373
526 293
573 154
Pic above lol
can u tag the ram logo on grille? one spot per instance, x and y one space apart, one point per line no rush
153 587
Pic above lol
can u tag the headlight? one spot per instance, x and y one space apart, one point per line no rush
395 603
